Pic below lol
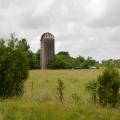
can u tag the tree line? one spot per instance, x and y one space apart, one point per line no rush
63 60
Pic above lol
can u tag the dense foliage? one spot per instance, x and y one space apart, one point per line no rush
34 59
105 90
13 66
116 62
64 61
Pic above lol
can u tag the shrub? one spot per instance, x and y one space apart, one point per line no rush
105 89
60 88
13 67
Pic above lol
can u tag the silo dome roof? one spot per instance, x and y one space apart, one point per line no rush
47 35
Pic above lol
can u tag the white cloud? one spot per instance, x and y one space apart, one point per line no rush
82 27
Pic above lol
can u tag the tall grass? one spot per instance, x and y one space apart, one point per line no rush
39 101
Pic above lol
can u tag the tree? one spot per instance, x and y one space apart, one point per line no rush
13 67
62 61
34 59
37 55
31 59
89 62
79 61
64 53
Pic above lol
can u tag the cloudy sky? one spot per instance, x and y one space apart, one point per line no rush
82 27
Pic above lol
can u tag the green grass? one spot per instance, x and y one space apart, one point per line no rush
40 101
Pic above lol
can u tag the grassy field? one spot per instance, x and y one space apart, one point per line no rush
40 101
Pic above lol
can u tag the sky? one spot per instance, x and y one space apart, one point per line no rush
82 27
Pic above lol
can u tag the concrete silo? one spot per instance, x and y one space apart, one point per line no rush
47 49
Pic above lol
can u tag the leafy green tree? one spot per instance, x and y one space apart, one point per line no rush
62 61
79 61
13 67
31 59
23 44
37 56
34 59
64 53
89 62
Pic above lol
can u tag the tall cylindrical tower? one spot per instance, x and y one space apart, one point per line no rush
47 49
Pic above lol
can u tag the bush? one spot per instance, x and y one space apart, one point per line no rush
60 88
105 90
13 67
